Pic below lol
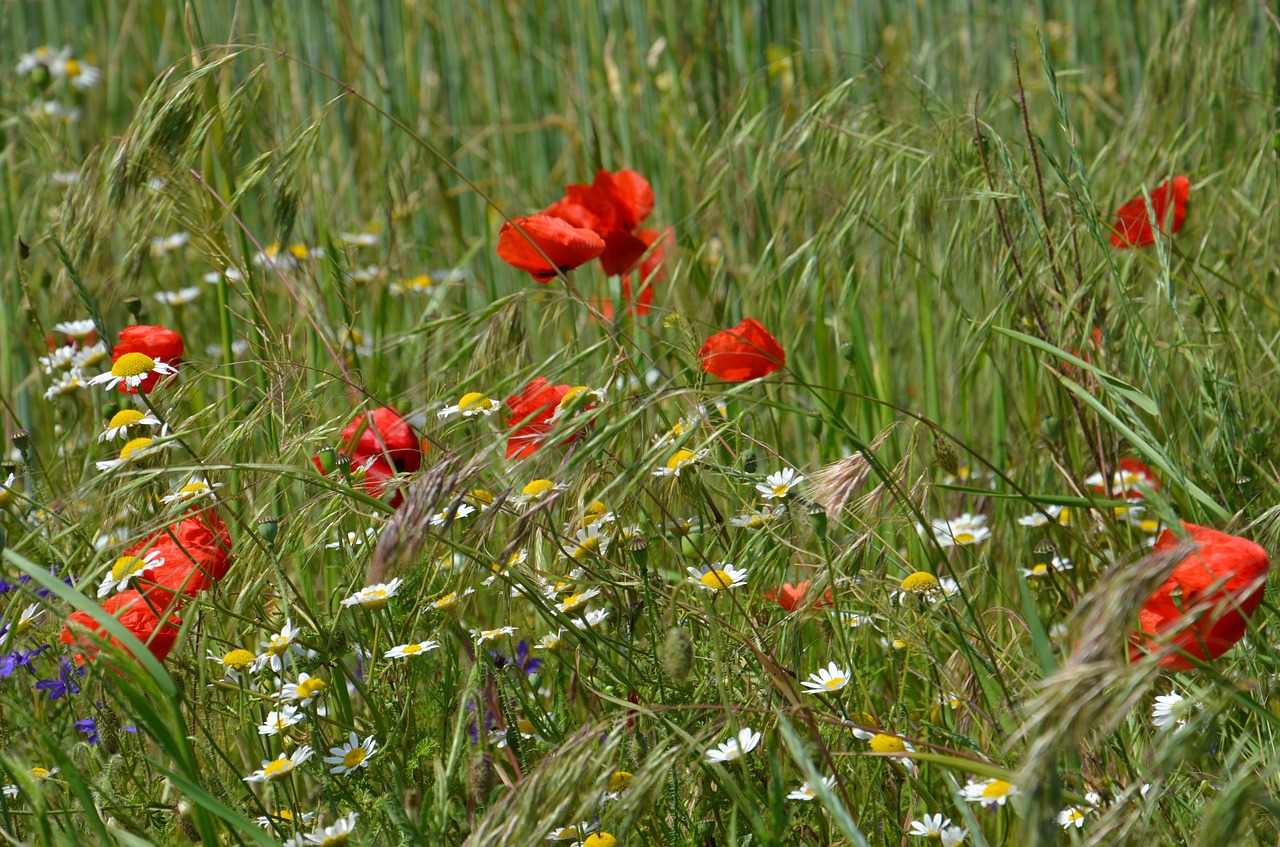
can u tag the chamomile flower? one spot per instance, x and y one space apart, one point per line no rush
1170 711
1041 518
1124 482
483 635
450 514
284 817
479 498
806 793
501 571
1042 569
351 540
335 835
450 600
166 244
360 239
721 576
125 419
576 601
883 742
761 518
591 619
735 748
926 586
131 369
280 720
469 405
125 569
42 57
829 679
779 484
989 792
578 397
78 329
678 461
551 641
574 832
374 596
278 647
964 530
1072 816
235 662
587 541
80 75
59 359
66 384
89 357
195 489
407 651
280 767
536 491
179 298
352 755
365 275
596 512
677 431
307 690
929 826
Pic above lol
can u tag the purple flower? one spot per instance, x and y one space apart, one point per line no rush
524 659
19 659
89 727
65 684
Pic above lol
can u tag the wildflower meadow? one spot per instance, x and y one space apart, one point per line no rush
632 422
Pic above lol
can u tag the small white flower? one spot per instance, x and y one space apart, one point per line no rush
953 836
1169 711
279 721
578 397
443 517
448 601
360 239
721 576
735 748
352 539
778 485
284 817
576 601
307 690
59 359
79 74
406 651
89 357
195 489
125 418
829 679
281 766
67 383
374 596
587 541
552 641
929 826
1043 569
966 529
591 619
278 648
334 835
680 460
576 832
989 792
167 244
806 793
483 635
761 518
1039 518
181 297
352 755
41 57
132 369
471 404
78 329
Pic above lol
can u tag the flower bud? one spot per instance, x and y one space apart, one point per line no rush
268 528
328 460
134 304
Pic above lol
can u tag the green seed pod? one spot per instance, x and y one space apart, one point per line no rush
269 528
328 460
945 455
677 654
134 304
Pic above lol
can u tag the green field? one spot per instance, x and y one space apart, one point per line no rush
327 628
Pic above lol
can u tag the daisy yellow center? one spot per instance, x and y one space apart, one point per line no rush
781 488
619 781
42 52
1064 517
716 579
600 839
132 364
996 789
1149 526
574 602
885 743
299 251
755 521
964 537
419 281
1074 814
834 683
354 757
73 68
472 399
538 487
480 497
449 599
193 488
919 583
39 773
679 459
588 545
132 446
126 565
285 815
596 508
310 687
278 645
238 659
1040 570
277 769
411 648
125 417
337 839
571 395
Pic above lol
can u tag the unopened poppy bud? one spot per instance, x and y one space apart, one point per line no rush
344 464
945 455
21 439
677 654
269 528
481 778
134 304
1051 428
328 458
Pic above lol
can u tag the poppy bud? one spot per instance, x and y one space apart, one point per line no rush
639 550
481 778
134 304
21 439
945 455
344 464
108 726
268 528
677 654
1051 428
328 460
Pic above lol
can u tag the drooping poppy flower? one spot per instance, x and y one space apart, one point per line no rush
156 343
383 433
567 246
792 597
532 408
1133 223
196 553
1205 604
613 207
132 610
747 351
1129 480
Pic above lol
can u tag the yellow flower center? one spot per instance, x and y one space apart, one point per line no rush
835 683
1064 517
756 521
126 565
125 417
538 487
919 583
419 281
1074 814
354 757
1040 570
191 489
590 544
619 781
299 251
884 743
411 648
571 395
450 599
278 645
480 497
600 839
779 490
679 459
73 68
310 687
716 579
964 537
997 789
39 773
278 768
285 815
238 659
471 400
132 364
133 446
1149 526
573 602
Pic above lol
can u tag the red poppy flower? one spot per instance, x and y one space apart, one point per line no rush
791 597
132 610
745 352
196 553
383 432
532 408
613 207
375 477
567 246
1206 602
162 345
1133 223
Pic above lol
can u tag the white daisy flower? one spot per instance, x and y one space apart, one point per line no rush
929 826
483 635
678 461
761 518
953 836
66 384
89 357
284 818
1170 711
374 596
307 690
360 239
721 576
577 601
989 792
78 329
779 484
593 618
352 755
1039 518
168 243
469 405
280 767
1042 569
586 542
829 679
735 748
280 720
181 297
552 641
122 420
125 569
234 662
278 648
406 651
131 369
576 832
966 529
806 793
453 598
195 489
59 359
536 491
925 586
41 57
578 397
352 540
334 835
443 517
